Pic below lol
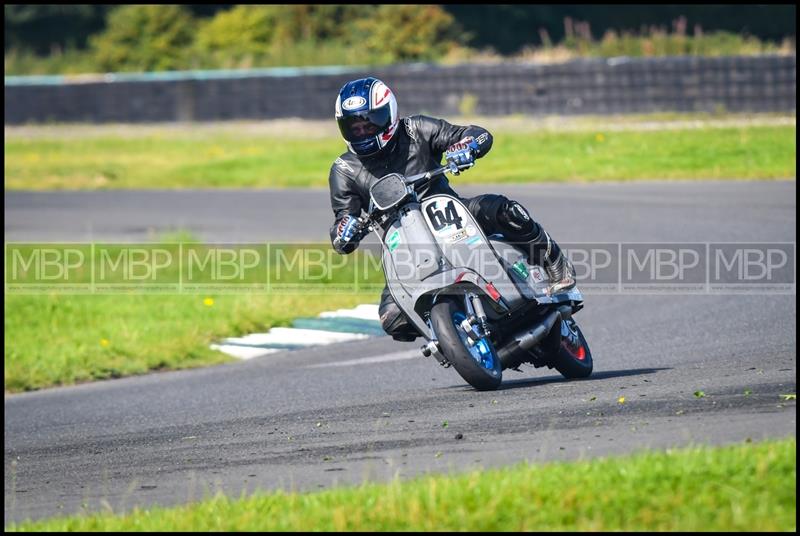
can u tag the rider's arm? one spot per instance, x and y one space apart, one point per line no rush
442 135
344 200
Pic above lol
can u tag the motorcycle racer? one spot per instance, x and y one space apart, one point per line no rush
379 142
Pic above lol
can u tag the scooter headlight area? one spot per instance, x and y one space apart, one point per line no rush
389 191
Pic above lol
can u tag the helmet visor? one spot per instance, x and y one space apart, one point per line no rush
362 126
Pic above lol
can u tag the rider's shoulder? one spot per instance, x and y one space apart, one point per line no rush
420 125
346 164
421 119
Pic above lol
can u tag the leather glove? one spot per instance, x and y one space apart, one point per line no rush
463 152
348 231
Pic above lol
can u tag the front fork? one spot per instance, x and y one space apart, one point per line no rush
475 325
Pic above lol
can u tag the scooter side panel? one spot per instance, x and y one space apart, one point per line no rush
465 245
429 244
410 256
531 279
415 264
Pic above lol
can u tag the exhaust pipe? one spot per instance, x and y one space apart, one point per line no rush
527 339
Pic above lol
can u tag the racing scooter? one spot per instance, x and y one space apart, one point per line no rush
476 300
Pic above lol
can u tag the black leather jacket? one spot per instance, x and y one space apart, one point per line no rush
417 147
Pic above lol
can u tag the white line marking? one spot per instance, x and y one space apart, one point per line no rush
397 356
297 336
306 337
367 311
243 352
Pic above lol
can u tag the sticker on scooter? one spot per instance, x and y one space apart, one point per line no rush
457 237
440 219
393 241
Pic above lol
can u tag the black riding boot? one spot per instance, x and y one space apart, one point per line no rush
556 264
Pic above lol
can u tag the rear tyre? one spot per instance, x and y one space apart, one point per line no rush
478 364
573 359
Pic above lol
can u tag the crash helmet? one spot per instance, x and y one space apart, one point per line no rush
366 113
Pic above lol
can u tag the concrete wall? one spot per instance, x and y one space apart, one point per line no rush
591 86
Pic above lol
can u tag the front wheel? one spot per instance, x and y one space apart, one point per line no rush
478 364
573 358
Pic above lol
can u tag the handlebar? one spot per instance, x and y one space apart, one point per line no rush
451 167
364 222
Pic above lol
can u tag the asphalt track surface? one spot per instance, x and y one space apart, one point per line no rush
313 419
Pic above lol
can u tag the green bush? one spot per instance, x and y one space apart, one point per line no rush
280 35
409 33
659 42
145 38
321 23
663 44
70 61
236 37
248 36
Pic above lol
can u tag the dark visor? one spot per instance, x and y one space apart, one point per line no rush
379 120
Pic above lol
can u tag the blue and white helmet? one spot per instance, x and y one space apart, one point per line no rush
366 112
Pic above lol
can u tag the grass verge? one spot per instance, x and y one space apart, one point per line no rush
745 487
130 309
65 339
224 157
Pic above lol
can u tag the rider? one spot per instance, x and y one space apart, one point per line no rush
380 143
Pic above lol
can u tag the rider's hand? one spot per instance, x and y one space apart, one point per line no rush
463 152
347 232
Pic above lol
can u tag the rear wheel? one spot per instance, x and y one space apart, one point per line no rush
573 358
478 364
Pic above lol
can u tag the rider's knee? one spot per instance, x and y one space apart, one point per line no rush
485 209
499 214
515 219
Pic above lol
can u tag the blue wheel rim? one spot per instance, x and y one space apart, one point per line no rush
481 352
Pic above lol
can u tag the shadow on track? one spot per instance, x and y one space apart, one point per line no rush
602 375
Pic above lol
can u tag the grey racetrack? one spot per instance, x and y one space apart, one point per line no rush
376 409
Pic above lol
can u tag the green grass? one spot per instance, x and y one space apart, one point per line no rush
745 487
183 159
751 153
96 329
65 339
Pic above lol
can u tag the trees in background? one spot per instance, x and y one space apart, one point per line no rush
145 38
43 29
42 39
393 33
508 28
369 33
166 37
